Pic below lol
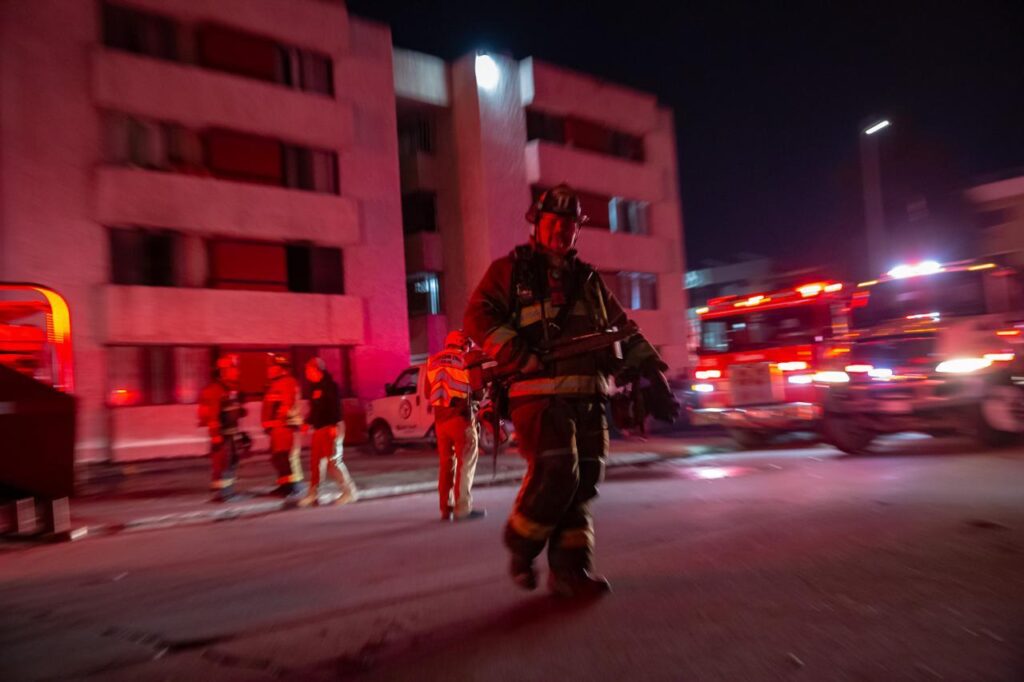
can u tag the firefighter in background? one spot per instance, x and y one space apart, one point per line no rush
328 440
538 294
451 398
220 411
281 420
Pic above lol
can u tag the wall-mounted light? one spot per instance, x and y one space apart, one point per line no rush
487 72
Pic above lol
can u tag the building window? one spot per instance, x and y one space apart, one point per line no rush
423 290
583 134
415 133
541 126
143 257
136 142
139 32
628 216
634 290
238 156
314 269
266 266
419 212
244 54
312 169
305 70
257 266
176 375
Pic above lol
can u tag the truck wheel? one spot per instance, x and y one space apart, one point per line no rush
1001 416
381 439
749 439
846 434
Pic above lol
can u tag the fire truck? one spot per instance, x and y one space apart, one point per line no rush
763 359
934 348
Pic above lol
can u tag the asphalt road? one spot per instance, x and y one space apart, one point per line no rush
779 565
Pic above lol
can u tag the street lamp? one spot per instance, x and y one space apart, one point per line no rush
874 216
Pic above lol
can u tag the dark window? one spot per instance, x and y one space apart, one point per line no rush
142 375
415 133
995 217
595 207
143 257
541 126
628 146
312 169
633 290
243 157
226 49
419 212
259 266
423 290
314 269
136 142
305 70
139 32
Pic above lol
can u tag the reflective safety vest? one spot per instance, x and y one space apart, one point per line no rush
447 378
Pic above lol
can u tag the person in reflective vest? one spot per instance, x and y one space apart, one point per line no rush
539 294
326 446
281 420
220 411
448 391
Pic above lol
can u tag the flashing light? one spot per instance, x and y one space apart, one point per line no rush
934 317
869 283
753 300
487 72
701 311
881 125
708 374
1008 332
962 365
831 377
703 388
832 288
859 369
1000 357
983 266
795 366
928 267
800 379
880 373
810 290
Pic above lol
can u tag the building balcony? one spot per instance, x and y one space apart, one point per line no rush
201 98
170 315
423 252
133 196
637 253
548 164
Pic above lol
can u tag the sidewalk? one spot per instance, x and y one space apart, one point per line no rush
170 493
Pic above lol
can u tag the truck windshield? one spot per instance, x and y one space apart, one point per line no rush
944 294
759 329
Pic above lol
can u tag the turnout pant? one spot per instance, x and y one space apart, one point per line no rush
458 453
285 447
565 443
326 448
223 461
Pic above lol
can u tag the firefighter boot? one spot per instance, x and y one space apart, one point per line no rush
522 572
578 584
311 499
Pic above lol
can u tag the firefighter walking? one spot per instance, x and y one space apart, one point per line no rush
539 294
326 446
281 420
450 396
220 411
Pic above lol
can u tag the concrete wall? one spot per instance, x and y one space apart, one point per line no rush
1001 205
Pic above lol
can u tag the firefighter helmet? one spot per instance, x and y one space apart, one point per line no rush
456 338
560 200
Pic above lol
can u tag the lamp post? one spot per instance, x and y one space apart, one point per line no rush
874 216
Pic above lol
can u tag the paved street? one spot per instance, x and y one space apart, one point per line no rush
777 565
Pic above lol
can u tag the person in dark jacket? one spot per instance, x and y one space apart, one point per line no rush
325 418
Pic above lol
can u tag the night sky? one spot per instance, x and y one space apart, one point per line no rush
770 97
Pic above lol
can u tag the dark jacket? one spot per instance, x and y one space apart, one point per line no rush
324 404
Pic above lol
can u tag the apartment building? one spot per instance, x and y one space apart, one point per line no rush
203 176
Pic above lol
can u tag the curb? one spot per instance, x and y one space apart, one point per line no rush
250 510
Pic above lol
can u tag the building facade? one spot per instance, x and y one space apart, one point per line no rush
203 176
999 206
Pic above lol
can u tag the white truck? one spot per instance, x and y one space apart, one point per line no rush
405 416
